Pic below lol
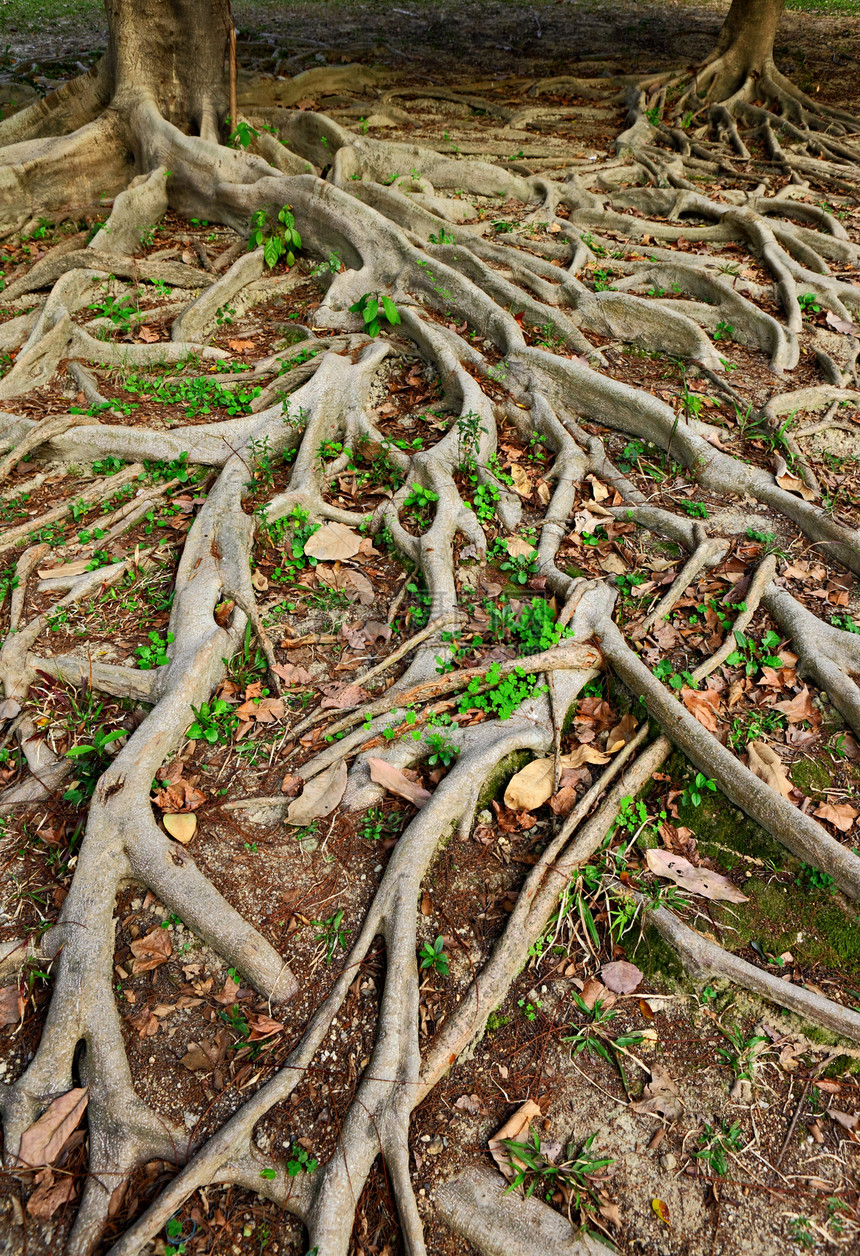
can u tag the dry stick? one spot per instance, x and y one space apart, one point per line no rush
562 656
406 647
234 108
40 435
792 1127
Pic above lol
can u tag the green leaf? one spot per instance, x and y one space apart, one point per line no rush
370 310
391 311
77 751
270 1174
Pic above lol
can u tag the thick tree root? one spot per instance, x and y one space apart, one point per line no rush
508 297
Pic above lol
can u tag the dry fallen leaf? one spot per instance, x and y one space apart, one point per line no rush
179 796
533 785
522 483
704 704
263 1026
841 324
320 796
340 697
50 1195
45 1139
354 584
241 346
839 814
621 976
471 1104
766 764
150 951
516 1128
227 994
333 542
10 1007
182 826
147 334
396 782
259 581
518 548
660 1097
594 991
694 880
599 491
661 1209
621 734
292 674
791 483
799 708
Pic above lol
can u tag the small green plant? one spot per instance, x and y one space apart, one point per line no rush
108 466
377 823
214 722
154 654
696 510
486 497
808 303
443 752
716 1144
809 878
602 280
801 1231
419 501
724 331
694 792
530 1008
243 135
300 1160
278 241
432 955
332 933
845 622
741 1053
536 1171
176 1245
91 759
751 655
442 238
117 311
373 308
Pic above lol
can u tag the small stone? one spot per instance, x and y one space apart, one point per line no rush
436 1146
485 817
668 1161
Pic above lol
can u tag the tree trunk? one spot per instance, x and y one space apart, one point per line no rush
172 53
745 46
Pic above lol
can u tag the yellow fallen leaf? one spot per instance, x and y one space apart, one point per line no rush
182 826
661 1210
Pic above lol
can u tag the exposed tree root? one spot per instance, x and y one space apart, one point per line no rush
507 295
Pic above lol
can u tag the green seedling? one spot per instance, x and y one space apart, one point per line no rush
432 955
154 654
373 308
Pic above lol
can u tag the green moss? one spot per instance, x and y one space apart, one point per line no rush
722 831
811 777
814 925
496 781
496 1021
655 957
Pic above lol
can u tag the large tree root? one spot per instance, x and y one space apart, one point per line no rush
506 295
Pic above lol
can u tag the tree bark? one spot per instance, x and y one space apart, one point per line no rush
745 46
171 52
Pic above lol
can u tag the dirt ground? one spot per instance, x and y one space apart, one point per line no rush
749 1084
